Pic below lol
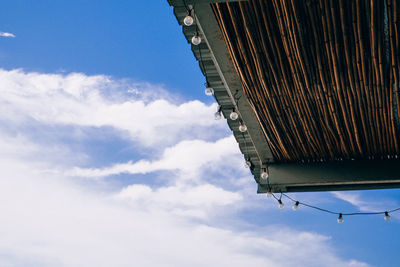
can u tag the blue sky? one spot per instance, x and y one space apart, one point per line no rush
111 157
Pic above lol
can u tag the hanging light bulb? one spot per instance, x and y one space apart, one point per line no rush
248 163
217 115
196 40
387 216
188 20
281 205
296 206
233 115
340 220
269 193
264 174
209 90
242 127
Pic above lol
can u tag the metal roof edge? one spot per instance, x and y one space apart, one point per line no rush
213 55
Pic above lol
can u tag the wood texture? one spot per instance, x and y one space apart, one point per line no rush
322 76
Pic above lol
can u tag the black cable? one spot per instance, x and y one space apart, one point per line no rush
237 98
186 6
333 212
275 197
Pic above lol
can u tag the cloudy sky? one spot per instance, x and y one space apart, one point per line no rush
110 155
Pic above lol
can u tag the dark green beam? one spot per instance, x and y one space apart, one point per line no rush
212 35
328 176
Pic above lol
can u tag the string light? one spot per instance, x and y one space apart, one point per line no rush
233 115
296 206
264 174
242 127
387 216
340 219
281 205
209 90
196 40
188 20
217 115
248 163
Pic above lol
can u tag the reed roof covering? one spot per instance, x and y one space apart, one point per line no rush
321 76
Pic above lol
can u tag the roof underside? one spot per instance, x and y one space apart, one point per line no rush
322 76
320 81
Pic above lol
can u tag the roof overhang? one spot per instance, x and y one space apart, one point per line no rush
216 63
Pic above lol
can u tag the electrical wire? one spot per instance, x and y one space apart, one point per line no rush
330 211
187 6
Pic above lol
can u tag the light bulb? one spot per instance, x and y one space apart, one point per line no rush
196 40
233 115
188 20
281 205
209 91
248 164
340 219
269 194
217 115
296 206
242 127
387 216
264 174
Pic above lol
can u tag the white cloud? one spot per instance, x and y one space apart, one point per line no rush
7 34
354 199
189 157
191 201
49 219
97 101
